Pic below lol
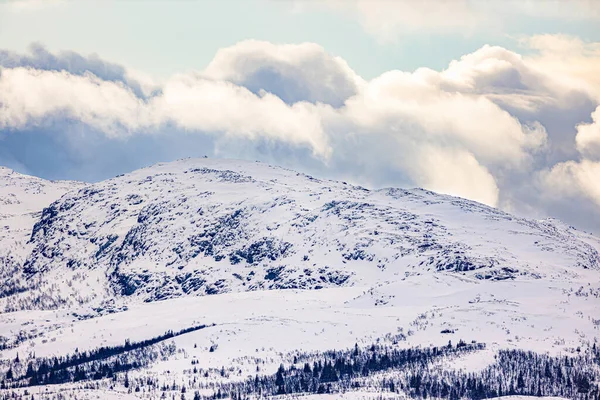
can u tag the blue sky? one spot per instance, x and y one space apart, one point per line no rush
165 37
495 101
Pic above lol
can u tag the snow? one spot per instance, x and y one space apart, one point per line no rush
76 392
384 396
320 265
22 198
197 227
46 392
267 323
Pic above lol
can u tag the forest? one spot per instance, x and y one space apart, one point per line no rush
419 372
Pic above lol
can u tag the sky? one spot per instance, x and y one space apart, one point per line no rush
495 101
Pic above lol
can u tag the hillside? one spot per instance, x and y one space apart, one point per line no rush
22 199
197 227
237 267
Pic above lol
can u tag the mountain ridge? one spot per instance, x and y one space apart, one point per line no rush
209 226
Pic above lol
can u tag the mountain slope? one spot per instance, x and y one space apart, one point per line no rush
22 199
202 226
400 272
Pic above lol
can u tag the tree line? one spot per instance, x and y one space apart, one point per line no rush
70 368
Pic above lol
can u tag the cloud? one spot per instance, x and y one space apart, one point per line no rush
570 180
573 180
549 103
452 171
571 61
292 72
31 97
422 102
565 10
446 141
588 137
495 126
389 20
194 103
38 57
29 5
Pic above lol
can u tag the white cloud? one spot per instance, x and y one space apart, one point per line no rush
572 180
293 72
455 172
576 179
38 57
444 130
569 10
478 129
588 138
389 20
27 96
571 62
194 103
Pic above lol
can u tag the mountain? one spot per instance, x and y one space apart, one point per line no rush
22 199
205 274
202 226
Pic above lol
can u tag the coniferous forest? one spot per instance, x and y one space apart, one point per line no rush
419 372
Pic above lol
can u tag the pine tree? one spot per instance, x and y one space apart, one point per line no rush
307 369
279 381
520 381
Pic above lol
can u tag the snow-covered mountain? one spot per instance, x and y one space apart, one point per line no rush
203 226
22 199
248 266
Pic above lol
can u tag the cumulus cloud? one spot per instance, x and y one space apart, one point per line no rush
198 104
572 180
429 129
588 137
550 103
494 126
420 101
453 171
38 57
293 72
571 61
31 97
